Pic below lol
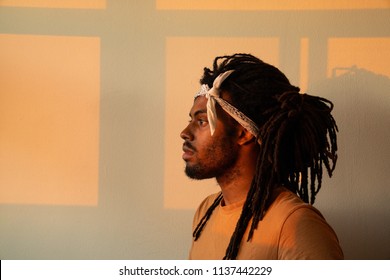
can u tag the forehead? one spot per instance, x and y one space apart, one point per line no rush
199 105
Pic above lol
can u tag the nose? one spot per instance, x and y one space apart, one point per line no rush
186 133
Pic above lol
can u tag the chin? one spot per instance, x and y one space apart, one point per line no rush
197 173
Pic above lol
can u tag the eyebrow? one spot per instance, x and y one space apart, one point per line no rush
202 111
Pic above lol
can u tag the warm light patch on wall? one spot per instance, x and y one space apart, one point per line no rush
66 4
49 119
304 65
185 59
271 5
345 54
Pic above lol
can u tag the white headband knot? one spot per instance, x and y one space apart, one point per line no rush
213 95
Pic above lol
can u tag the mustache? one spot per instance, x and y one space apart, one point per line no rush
189 146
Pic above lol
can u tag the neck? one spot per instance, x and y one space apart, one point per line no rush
234 191
236 182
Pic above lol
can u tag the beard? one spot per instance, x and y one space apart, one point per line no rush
217 159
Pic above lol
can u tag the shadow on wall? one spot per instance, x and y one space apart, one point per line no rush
362 111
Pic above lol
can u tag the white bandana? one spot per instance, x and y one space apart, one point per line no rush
213 95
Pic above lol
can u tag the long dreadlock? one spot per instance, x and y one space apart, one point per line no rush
297 134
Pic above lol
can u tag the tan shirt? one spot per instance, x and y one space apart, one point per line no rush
291 229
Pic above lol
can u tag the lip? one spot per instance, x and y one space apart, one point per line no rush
188 153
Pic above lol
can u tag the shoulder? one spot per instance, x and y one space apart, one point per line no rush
204 206
305 234
285 198
208 201
291 211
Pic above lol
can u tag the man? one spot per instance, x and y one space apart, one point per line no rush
266 145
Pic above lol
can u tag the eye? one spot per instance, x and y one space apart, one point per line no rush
202 122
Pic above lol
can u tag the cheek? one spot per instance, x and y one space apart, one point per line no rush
203 140
213 148
218 148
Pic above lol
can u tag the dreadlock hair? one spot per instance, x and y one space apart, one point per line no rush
297 135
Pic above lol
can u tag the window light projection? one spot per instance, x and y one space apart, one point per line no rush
49 119
372 54
267 5
65 4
